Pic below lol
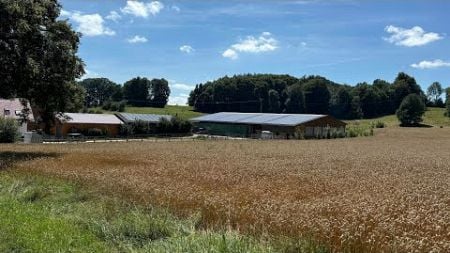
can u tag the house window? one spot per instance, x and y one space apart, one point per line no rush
18 113
7 112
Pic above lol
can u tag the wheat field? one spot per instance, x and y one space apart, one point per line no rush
387 193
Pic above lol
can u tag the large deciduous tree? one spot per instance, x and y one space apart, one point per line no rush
434 93
403 86
274 101
411 110
295 102
160 92
317 96
137 91
101 90
38 56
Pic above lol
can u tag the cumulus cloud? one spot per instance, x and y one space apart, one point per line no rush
142 9
89 24
254 45
431 64
187 49
413 37
137 39
230 53
176 8
114 16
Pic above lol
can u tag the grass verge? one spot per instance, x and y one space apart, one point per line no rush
50 215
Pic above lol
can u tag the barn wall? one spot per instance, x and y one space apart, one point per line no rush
66 128
225 129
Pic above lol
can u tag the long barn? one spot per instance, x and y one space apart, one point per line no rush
280 126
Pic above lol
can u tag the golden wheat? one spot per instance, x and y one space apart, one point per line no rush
385 193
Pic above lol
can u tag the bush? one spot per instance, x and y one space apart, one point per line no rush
173 126
9 130
379 124
411 110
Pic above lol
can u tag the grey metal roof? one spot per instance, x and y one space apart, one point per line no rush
85 118
258 118
148 118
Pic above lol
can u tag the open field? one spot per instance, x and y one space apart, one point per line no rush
433 117
388 193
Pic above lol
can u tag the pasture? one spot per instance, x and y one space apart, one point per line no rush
387 193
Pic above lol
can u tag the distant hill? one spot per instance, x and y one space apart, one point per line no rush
270 93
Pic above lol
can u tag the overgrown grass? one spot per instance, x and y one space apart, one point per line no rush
49 215
184 112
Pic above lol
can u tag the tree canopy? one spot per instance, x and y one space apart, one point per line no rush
411 110
308 94
143 92
101 90
434 93
38 57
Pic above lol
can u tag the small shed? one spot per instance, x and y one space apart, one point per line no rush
86 124
13 108
282 126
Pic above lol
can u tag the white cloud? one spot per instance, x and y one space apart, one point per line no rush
186 49
430 64
413 37
181 99
114 16
230 53
65 13
90 24
255 45
176 8
137 39
141 9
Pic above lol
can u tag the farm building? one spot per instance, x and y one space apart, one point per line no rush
281 126
12 108
142 123
86 124
151 119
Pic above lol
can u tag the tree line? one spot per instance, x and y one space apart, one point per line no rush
138 91
309 94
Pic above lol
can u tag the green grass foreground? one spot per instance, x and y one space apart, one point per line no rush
38 214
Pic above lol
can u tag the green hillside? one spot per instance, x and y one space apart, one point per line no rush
433 117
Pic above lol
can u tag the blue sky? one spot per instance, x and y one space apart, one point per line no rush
190 42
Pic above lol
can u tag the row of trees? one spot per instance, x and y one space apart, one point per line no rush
309 94
137 92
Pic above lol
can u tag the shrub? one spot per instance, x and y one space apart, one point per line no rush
411 110
379 124
126 130
352 133
9 130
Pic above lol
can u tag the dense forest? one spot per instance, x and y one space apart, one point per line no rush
308 94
